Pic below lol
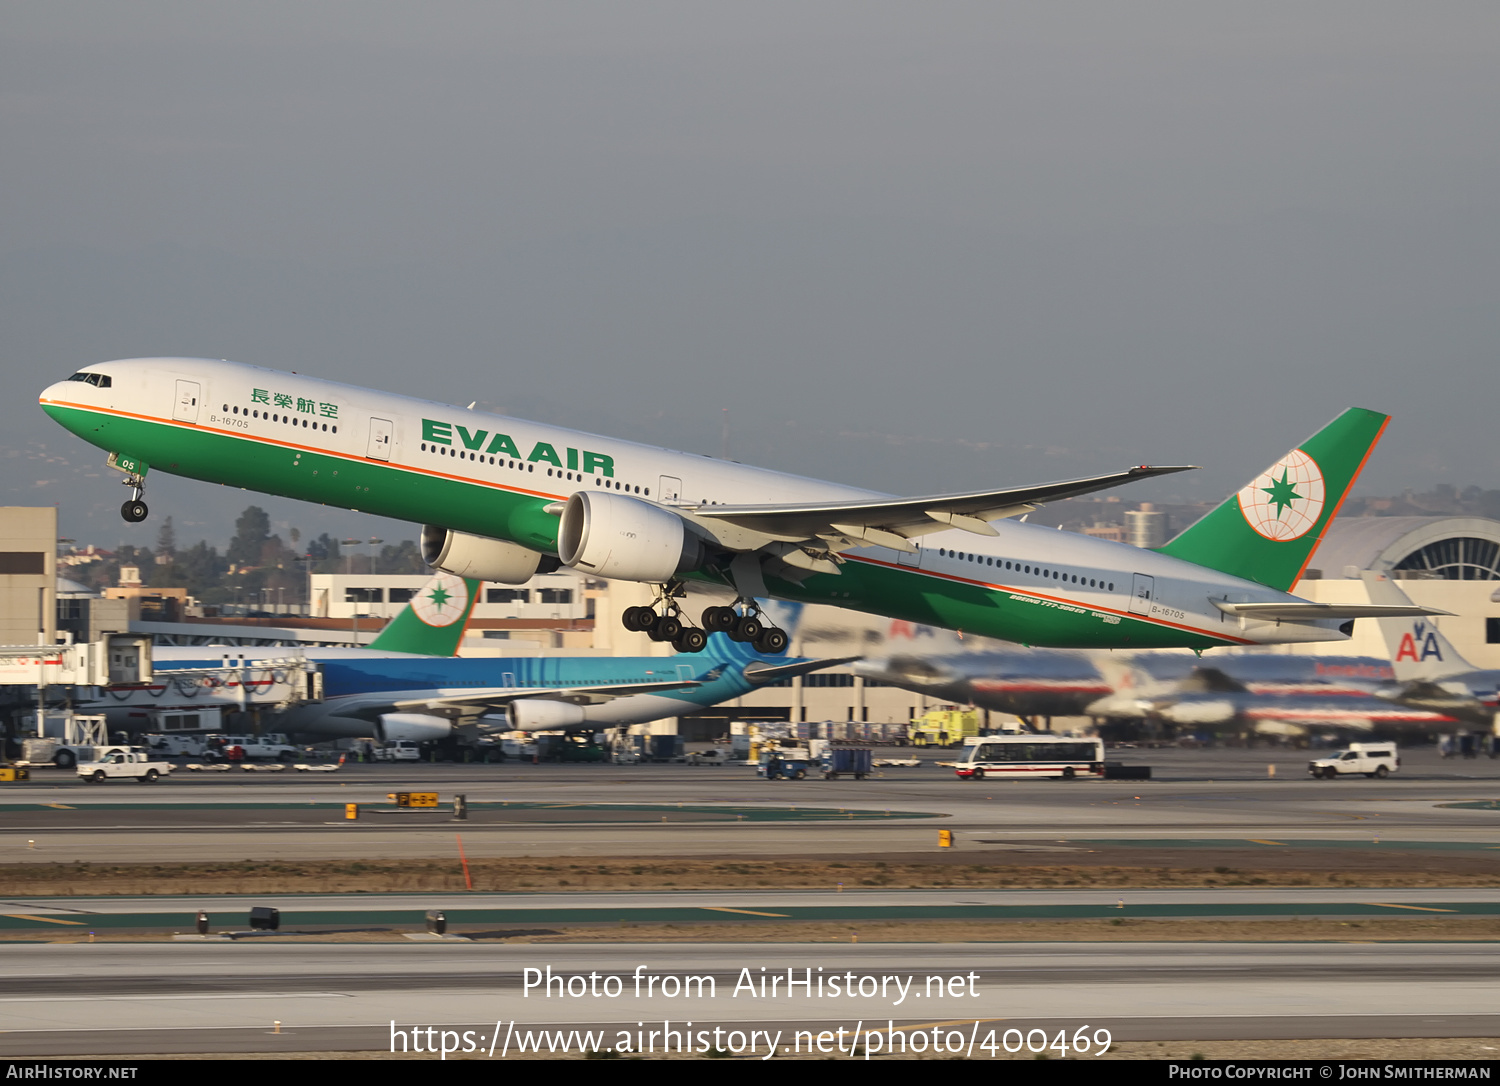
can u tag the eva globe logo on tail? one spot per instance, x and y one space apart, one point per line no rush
442 601
1286 500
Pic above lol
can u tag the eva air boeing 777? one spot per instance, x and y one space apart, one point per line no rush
502 498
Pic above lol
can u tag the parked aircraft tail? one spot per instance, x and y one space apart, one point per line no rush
433 622
1268 531
1419 651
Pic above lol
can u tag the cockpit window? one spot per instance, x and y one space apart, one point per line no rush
98 380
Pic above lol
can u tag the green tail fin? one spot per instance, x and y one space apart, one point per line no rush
1269 530
433 623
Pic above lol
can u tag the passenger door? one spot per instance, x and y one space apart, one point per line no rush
380 439
185 407
1140 594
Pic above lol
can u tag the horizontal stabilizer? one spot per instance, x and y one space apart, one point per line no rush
1308 612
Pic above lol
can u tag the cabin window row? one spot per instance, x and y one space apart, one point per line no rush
445 450
1035 571
516 465
523 595
281 417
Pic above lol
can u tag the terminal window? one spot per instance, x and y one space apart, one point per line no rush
23 562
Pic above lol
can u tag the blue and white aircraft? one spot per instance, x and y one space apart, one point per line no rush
421 692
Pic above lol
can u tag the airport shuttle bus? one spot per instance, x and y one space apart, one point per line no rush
1025 756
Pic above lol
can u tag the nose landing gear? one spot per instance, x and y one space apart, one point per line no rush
134 511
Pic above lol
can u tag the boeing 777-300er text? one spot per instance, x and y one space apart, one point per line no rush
501 498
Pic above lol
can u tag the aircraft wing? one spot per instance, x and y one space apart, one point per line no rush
760 674
481 701
893 522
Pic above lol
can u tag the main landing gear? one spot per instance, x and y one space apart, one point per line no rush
749 628
135 510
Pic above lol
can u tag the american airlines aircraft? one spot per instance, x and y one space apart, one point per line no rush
501 498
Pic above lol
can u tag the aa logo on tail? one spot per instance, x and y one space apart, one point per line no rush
1421 636
1286 500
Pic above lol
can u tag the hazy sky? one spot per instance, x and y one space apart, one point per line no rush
917 247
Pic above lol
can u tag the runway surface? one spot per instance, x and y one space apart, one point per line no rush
203 998
1199 796
78 998
315 912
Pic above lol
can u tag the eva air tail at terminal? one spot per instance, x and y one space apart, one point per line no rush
502 498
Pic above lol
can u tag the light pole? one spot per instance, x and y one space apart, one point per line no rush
373 542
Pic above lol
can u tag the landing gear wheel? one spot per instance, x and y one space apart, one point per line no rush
134 511
771 642
719 619
691 639
638 619
666 628
746 629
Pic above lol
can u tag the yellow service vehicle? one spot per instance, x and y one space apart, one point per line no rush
943 728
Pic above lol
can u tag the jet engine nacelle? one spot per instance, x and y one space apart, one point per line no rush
417 727
540 715
477 557
625 538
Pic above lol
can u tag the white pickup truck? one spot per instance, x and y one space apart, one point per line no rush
124 764
1371 759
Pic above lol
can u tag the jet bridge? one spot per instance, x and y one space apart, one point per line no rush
276 684
115 659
